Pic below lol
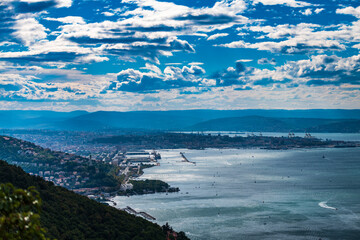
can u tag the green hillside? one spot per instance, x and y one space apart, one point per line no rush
35 159
66 215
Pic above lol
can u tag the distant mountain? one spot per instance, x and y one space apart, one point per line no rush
266 124
181 120
160 120
350 126
157 120
66 215
22 119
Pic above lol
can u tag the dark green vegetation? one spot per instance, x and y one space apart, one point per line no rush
267 124
66 215
158 120
150 186
19 218
170 233
201 141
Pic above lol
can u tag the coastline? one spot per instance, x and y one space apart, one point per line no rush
224 189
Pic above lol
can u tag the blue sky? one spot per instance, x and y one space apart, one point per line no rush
125 55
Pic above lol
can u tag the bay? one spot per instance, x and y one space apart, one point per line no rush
257 194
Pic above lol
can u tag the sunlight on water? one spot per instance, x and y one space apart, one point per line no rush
257 194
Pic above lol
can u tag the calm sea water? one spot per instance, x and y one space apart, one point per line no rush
257 194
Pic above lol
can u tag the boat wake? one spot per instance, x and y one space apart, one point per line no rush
227 163
324 205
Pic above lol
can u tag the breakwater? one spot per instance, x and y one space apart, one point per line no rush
141 214
185 158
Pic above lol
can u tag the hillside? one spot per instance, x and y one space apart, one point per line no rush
85 176
351 126
68 170
66 215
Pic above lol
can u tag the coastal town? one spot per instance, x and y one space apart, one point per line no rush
97 176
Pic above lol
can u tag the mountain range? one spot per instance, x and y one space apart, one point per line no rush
313 120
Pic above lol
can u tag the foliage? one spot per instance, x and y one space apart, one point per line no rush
149 186
168 231
66 215
18 213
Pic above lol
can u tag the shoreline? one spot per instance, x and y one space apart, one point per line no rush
202 141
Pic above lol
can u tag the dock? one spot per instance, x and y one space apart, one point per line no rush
147 216
185 159
141 214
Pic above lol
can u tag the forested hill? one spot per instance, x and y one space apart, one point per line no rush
67 215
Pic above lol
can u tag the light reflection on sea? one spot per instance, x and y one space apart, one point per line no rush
257 194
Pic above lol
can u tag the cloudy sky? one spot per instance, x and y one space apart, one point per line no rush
182 54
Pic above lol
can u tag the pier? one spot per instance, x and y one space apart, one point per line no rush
185 159
141 214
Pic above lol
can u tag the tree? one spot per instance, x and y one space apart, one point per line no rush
19 214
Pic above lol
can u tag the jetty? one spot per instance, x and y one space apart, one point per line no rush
185 159
147 216
141 214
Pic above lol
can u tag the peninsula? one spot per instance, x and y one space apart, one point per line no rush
168 140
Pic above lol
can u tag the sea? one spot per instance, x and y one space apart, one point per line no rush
258 194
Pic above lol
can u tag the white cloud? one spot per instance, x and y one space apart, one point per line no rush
307 12
63 3
131 80
245 60
29 31
222 15
68 20
235 44
108 14
290 3
356 46
151 30
196 63
319 10
217 35
349 10
301 38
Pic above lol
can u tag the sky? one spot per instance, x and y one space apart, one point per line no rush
128 55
